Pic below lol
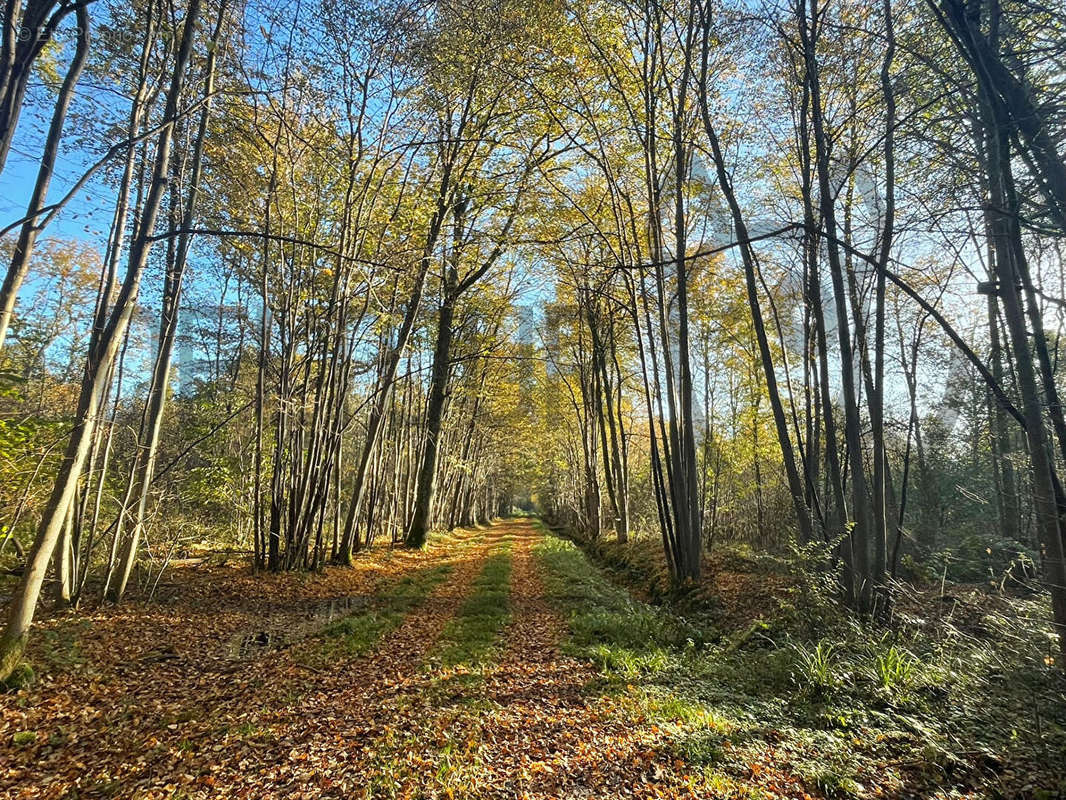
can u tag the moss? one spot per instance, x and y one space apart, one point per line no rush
21 677
10 657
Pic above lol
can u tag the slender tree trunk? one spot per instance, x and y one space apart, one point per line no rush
27 31
862 516
1049 526
378 406
427 477
97 371
20 261
148 446
795 483
876 397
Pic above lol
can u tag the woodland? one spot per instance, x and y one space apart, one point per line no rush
532 399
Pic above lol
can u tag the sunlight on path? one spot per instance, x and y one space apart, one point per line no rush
153 705
521 724
547 735
458 689
319 745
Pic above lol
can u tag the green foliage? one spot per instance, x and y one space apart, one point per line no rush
24 738
816 668
894 668
410 591
356 635
701 748
20 678
825 666
639 561
605 615
833 783
983 557
831 704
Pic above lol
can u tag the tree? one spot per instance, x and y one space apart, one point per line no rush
102 352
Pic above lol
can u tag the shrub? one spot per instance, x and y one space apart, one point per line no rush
815 669
894 669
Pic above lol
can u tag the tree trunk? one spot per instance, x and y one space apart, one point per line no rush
20 261
1049 526
26 33
97 371
148 449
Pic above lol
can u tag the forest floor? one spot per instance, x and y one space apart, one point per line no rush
497 663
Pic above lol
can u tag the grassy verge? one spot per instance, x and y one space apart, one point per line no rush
436 758
850 713
356 634
442 749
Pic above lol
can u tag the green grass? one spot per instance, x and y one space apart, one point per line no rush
357 634
845 709
606 623
449 736
468 638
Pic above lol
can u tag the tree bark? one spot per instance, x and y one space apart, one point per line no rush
148 444
97 371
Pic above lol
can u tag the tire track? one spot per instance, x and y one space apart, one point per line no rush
322 745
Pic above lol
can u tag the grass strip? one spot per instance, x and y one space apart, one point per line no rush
357 634
469 638
441 746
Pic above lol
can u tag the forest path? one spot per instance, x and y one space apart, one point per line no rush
450 678
165 699
529 720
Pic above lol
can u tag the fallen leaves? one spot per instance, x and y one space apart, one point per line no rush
158 705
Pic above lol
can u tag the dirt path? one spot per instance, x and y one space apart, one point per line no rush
149 701
524 725
319 745
542 734
164 717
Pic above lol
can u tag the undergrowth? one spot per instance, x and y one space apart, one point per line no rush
936 707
